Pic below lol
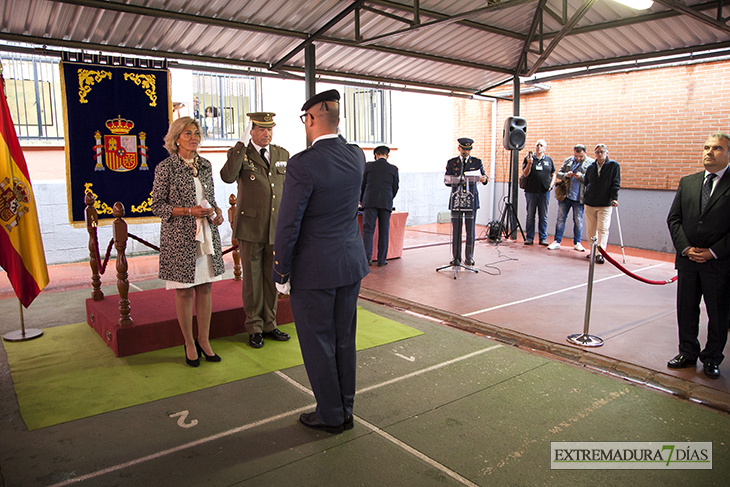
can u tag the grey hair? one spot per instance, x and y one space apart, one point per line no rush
720 135
176 128
601 145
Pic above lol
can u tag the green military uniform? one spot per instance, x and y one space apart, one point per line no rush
259 193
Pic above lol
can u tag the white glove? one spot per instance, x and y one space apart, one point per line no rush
283 288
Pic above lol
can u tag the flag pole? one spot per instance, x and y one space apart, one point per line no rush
22 334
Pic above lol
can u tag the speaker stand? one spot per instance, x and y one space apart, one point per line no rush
509 222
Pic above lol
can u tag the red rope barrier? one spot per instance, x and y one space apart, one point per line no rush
231 249
145 242
631 274
102 268
155 247
140 240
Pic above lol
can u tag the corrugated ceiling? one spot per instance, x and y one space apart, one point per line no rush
452 46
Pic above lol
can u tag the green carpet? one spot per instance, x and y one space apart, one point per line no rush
69 373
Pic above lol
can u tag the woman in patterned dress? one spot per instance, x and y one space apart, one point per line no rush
190 246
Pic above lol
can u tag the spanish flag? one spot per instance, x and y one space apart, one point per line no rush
21 247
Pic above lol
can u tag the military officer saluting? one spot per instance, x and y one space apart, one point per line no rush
260 168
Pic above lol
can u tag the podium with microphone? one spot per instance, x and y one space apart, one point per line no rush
462 175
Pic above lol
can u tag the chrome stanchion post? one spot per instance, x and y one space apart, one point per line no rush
584 339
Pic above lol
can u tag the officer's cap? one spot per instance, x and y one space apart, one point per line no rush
262 119
329 95
465 143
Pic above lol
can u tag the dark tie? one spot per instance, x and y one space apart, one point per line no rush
706 191
263 156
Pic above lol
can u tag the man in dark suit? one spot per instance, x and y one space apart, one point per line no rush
260 168
700 228
379 187
319 257
457 167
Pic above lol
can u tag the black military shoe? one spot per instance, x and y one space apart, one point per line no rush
256 340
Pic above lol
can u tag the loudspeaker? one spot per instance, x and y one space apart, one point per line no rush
514 134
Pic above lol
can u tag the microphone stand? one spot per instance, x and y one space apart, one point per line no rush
458 197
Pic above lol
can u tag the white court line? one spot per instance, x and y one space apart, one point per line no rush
466 315
240 429
135 287
418 454
427 369
184 446
294 383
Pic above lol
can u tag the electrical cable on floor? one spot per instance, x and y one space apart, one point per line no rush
502 258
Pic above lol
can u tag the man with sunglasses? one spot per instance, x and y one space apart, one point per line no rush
319 258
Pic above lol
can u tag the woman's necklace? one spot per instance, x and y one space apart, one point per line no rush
192 164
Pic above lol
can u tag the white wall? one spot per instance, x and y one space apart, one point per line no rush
422 128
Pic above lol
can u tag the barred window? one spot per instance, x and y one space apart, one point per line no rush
33 91
367 116
220 104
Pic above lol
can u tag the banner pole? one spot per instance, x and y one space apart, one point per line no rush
22 334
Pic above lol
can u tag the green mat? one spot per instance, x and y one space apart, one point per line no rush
69 373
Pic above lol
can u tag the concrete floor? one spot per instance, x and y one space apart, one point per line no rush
476 400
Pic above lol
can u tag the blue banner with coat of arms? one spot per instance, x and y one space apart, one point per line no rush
117 112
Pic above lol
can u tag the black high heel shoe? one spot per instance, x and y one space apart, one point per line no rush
209 358
192 363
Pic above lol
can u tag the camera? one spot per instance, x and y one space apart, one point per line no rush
529 154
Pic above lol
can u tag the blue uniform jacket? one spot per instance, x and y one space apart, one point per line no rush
318 243
379 184
453 168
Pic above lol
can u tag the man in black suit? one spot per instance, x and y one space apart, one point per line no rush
319 257
700 228
457 166
379 187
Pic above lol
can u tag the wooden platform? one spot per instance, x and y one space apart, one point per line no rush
155 322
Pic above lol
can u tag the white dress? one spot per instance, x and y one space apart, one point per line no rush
204 249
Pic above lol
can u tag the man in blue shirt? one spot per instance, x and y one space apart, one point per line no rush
573 170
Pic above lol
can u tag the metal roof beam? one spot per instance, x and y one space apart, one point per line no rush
640 19
691 12
536 22
451 19
197 19
85 46
354 5
391 16
646 55
416 55
169 14
582 10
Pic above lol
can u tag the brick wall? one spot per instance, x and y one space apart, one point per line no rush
654 121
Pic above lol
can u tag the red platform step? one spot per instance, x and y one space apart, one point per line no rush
155 322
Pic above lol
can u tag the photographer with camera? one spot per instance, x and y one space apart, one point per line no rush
464 193
539 173
574 169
